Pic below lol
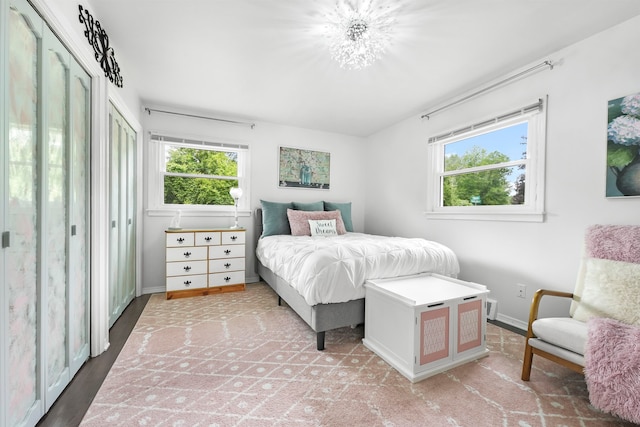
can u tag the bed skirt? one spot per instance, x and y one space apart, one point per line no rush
320 317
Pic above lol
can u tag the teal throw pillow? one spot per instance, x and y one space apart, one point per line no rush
314 206
345 210
274 218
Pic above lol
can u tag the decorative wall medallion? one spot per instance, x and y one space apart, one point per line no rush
99 40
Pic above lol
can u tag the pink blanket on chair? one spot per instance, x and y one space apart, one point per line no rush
614 242
612 367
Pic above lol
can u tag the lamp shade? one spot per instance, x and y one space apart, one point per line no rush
235 192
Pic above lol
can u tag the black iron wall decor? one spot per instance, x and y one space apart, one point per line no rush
99 40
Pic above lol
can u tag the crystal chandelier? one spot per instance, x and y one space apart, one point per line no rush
358 35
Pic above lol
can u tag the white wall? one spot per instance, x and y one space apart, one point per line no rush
347 180
502 254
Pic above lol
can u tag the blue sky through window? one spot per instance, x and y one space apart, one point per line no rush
510 141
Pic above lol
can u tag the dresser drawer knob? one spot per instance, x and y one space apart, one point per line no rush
180 240
207 239
227 265
226 279
187 268
227 252
234 238
187 283
187 254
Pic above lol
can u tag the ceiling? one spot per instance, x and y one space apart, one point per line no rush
267 60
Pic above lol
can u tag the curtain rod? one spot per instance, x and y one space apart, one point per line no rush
149 110
488 88
501 118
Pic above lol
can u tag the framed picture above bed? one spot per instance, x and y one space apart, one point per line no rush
299 168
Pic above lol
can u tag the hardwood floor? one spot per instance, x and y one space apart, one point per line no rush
69 409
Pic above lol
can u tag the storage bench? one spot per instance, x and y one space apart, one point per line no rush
425 324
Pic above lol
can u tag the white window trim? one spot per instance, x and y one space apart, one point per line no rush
155 188
532 210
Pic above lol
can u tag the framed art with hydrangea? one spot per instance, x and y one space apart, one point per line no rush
623 147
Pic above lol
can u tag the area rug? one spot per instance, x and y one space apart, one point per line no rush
239 359
612 367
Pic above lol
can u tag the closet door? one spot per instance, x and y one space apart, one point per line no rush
44 309
130 215
21 232
122 201
79 229
115 282
55 216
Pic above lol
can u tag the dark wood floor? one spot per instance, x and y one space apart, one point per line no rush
70 407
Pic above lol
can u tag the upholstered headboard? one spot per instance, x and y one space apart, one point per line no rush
257 223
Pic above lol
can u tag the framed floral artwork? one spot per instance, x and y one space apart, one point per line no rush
623 147
304 169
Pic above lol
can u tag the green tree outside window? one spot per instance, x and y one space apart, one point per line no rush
491 187
199 177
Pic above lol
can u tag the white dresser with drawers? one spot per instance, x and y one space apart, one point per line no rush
203 262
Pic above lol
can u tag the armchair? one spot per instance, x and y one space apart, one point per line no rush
608 285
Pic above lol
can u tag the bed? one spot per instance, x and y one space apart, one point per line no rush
322 278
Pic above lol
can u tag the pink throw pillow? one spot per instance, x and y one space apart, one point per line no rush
299 221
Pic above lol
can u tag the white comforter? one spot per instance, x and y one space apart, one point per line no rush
334 269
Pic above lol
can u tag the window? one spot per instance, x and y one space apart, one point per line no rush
490 170
196 175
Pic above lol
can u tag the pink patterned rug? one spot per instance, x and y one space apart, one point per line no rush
238 359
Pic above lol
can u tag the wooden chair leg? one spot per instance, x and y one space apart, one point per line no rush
526 363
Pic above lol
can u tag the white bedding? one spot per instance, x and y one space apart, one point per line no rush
334 269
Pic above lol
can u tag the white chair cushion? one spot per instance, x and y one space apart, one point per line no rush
564 332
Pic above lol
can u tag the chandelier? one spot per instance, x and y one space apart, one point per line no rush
358 35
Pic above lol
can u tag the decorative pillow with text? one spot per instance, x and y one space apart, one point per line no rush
323 227
299 221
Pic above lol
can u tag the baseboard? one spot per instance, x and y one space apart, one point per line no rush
512 321
154 290
252 279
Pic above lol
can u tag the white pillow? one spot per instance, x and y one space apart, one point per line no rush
607 288
323 227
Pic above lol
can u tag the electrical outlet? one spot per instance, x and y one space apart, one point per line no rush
522 290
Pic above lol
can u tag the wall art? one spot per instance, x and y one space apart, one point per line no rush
304 169
623 147
99 40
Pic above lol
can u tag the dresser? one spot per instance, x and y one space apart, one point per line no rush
203 262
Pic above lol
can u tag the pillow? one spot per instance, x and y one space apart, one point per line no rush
274 218
345 210
315 206
323 227
299 221
607 288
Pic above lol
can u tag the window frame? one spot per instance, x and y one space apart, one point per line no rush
157 172
532 210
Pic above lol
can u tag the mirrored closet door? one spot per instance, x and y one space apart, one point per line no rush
122 202
44 190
